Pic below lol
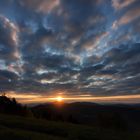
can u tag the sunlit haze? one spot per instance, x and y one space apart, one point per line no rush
33 98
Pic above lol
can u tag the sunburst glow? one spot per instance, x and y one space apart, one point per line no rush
59 99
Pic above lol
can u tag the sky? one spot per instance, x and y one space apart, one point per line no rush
78 49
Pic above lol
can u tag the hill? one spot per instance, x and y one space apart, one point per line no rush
117 116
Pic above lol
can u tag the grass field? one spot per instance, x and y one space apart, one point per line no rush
20 128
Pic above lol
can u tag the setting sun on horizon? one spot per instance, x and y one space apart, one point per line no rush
59 99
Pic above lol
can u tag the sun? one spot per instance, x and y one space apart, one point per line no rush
59 99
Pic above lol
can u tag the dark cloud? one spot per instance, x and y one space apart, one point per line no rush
7 80
8 38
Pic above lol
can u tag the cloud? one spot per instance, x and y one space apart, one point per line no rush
120 4
7 80
43 6
8 39
119 68
127 18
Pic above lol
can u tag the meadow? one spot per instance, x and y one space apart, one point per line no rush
21 128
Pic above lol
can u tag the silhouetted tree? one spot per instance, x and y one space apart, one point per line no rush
11 106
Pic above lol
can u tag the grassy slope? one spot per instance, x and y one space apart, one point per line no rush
19 128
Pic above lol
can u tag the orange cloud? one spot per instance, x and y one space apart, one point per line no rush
40 5
127 18
119 4
48 5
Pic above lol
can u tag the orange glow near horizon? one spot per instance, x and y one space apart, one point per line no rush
32 98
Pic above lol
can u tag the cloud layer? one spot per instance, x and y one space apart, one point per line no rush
82 47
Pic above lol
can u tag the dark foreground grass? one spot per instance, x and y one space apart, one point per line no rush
20 128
